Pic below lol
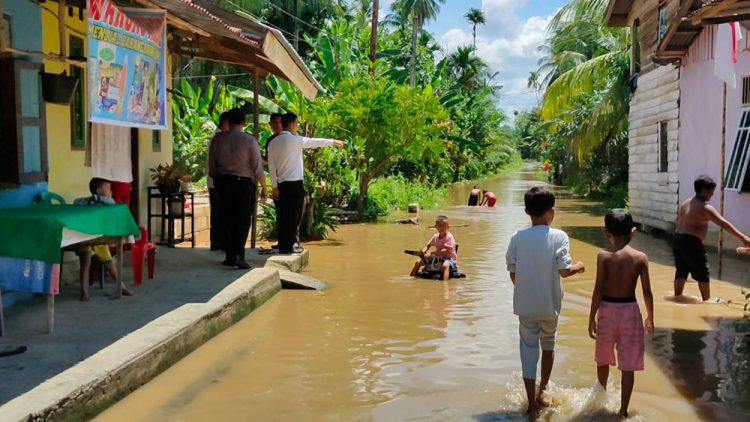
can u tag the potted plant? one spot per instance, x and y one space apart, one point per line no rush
169 178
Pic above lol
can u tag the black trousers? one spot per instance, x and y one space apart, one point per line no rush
217 221
289 213
237 200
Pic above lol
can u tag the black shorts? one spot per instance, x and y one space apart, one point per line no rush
473 200
690 258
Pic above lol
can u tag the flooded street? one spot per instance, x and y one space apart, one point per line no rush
379 345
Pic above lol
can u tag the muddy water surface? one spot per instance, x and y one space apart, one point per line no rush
381 346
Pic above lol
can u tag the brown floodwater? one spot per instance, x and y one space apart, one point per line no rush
379 345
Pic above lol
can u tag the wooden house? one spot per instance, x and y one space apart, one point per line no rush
682 123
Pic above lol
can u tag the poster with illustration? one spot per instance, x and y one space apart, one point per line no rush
127 73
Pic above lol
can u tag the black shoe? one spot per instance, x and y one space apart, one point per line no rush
275 246
244 265
228 263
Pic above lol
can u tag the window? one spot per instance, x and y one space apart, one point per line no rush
78 104
663 21
663 146
736 176
156 140
635 47
23 146
746 91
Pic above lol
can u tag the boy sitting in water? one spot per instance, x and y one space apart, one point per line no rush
101 194
537 257
692 226
445 250
615 320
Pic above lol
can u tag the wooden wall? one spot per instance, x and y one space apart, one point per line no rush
653 194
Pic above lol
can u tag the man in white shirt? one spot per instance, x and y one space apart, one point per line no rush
287 174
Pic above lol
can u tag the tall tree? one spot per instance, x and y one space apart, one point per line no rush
420 11
475 17
588 92
466 67
374 34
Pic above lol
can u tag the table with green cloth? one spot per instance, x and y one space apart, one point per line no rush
38 232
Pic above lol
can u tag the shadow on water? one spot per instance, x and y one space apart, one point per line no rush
710 367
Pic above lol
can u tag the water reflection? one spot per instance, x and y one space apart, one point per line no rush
711 367
379 345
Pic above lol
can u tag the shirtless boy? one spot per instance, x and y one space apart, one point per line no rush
615 320
692 226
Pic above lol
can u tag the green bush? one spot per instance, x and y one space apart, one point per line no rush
267 221
395 192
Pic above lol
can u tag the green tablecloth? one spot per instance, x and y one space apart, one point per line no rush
35 232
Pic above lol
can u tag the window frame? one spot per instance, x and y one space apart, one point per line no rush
78 143
156 141
14 122
736 174
662 31
8 26
635 47
662 146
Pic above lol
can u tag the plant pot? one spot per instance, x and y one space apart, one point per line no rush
168 189
58 89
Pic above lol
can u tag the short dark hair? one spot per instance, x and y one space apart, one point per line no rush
223 117
538 200
236 116
95 183
618 222
275 116
287 119
703 183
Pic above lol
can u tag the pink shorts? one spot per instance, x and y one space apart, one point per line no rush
619 326
491 201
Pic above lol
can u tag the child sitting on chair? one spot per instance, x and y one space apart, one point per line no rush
101 194
444 256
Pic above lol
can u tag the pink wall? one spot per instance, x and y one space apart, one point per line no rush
701 122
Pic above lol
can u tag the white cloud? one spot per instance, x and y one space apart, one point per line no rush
509 45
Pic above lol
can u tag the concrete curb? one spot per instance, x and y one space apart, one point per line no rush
293 263
86 389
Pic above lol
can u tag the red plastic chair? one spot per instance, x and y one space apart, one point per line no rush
140 250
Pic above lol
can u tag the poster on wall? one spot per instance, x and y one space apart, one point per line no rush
126 64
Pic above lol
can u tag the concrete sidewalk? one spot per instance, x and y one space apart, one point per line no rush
182 276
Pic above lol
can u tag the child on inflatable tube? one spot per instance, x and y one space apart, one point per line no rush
444 258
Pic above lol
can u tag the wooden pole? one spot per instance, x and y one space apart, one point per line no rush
61 28
3 41
720 245
374 35
256 132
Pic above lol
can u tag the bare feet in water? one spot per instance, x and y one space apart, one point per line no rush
84 297
126 292
532 414
541 400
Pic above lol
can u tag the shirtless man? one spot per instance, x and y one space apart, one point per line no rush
615 320
692 226
488 198
474 197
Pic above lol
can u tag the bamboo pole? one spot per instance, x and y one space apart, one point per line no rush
256 132
721 180
41 55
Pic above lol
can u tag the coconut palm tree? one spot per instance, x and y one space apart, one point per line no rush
475 17
420 12
466 67
586 68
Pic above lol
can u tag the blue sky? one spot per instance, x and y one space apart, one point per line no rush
507 42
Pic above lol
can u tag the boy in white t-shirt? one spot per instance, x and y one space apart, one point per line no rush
537 257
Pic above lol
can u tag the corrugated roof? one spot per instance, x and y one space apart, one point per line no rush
222 35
